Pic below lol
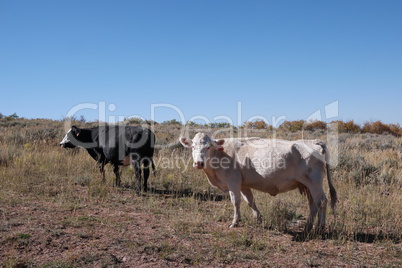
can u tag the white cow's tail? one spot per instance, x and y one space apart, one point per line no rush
332 191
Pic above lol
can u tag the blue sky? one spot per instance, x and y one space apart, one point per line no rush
281 59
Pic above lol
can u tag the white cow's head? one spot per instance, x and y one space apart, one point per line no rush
201 144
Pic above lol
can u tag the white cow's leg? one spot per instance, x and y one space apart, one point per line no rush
318 195
322 211
249 198
318 203
235 198
313 212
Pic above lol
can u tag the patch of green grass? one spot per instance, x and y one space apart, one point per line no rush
22 236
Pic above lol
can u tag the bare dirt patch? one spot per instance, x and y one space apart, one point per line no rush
131 231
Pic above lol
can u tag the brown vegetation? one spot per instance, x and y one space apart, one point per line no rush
346 127
258 124
376 127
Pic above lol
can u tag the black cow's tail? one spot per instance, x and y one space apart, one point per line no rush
153 166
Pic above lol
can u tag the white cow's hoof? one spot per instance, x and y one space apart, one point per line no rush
233 225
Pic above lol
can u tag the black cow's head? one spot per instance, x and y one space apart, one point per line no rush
70 138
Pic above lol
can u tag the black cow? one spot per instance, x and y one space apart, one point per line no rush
118 145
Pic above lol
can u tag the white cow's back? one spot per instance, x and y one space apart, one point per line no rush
271 165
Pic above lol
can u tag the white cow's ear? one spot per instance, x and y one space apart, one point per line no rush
186 142
218 144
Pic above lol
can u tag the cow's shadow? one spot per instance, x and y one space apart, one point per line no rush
299 236
204 196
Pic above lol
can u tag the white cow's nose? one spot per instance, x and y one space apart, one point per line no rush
199 165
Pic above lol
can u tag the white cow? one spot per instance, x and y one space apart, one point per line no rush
267 165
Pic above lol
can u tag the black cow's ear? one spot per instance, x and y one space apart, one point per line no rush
76 131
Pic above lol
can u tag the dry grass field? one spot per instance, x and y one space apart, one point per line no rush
56 212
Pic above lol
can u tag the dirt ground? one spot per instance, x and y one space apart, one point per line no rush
128 232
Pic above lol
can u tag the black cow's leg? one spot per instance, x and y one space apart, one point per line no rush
146 168
116 172
101 165
153 166
137 176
